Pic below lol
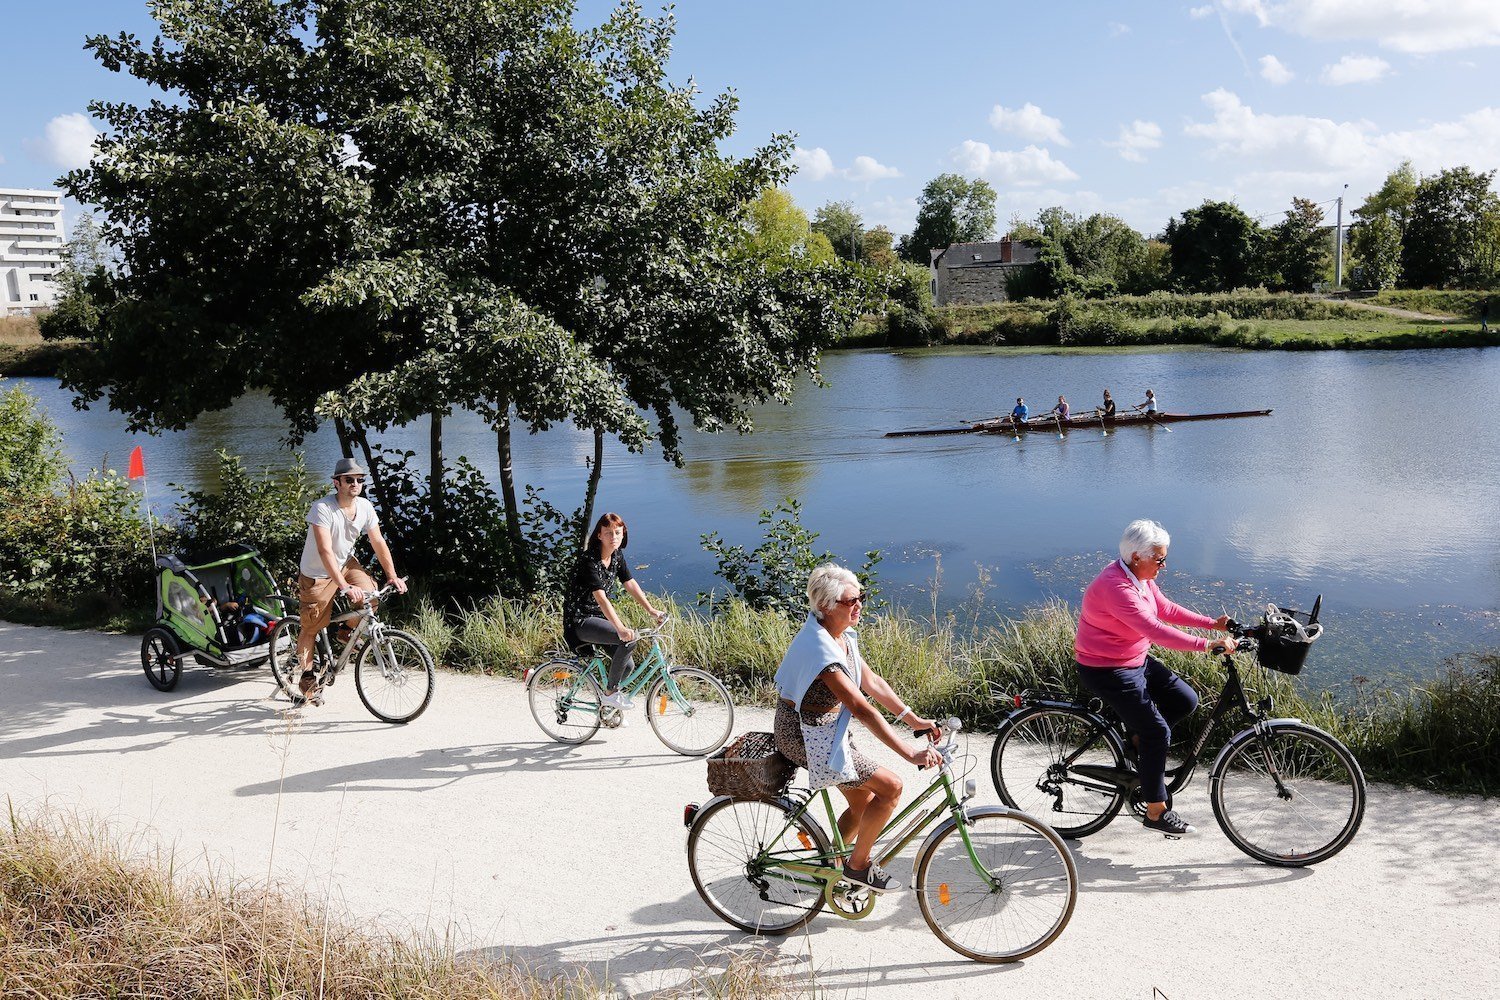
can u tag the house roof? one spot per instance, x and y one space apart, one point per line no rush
986 254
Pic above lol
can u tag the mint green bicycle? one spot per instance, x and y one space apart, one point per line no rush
689 709
993 883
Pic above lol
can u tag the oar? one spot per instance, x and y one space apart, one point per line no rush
1152 417
1058 417
1102 425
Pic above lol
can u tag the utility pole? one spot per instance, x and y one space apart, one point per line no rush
1338 246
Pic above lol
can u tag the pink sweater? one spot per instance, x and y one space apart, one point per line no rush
1118 623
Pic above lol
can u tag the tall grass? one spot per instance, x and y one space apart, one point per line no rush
1441 736
82 918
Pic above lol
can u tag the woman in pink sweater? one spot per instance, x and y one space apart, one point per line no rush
1124 613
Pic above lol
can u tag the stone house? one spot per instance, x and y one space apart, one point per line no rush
968 274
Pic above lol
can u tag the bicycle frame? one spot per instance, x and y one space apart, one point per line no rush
823 872
638 679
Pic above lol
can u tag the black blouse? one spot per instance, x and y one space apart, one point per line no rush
590 574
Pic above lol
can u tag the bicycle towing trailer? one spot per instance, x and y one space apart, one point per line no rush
217 606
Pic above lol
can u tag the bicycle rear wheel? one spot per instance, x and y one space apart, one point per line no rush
1032 765
1014 902
733 855
564 701
283 656
690 711
1291 797
394 676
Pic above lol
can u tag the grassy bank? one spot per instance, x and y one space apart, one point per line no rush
1443 736
1247 320
80 917
24 352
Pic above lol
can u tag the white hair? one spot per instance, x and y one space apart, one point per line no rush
1141 537
826 586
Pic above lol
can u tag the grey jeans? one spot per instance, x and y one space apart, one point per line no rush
599 632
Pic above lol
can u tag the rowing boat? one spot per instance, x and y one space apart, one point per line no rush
1077 422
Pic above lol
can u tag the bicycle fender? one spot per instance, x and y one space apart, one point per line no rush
948 824
1214 773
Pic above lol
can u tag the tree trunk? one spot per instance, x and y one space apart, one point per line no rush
435 473
377 493
346 442
595 471
521 556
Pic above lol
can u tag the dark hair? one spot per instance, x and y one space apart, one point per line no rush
614 521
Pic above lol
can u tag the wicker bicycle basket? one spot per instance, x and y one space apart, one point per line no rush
750 768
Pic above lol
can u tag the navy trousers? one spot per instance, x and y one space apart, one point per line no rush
1150 700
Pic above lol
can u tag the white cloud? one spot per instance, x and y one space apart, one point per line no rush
1116 29
1415 26
1275 70
1028 122
1199 13
1301 145
1031 165
1135 138
1355 69
67 142
813 164
867 168
896 214
816 165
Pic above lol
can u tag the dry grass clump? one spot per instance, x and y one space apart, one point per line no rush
19 330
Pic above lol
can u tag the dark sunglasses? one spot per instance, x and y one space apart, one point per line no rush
1160 562
850 602
352 479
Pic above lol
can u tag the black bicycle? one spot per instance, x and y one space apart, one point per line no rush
1285 792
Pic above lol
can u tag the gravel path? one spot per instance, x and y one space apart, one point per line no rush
469 819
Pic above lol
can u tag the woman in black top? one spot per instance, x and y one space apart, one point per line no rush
588 616
1109 405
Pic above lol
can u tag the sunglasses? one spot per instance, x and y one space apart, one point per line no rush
1162 561
351 479
850 602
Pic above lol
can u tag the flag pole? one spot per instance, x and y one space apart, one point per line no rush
138 471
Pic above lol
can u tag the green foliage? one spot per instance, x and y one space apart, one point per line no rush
30 459
1297 249
1375 251
778 232
1438 302
267 511
773 576
1451 238
951 209
1394 199
1214 247
878 249
1094 257
842 225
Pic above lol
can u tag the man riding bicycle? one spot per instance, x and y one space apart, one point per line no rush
328 568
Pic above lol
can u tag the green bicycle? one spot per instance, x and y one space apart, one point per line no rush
689 709
994 884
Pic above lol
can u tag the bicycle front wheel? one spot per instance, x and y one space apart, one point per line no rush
735 853
394 676
1033 764
690 711
1003 893
1290 796
564 701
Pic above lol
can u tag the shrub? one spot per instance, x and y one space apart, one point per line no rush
29 454
268 511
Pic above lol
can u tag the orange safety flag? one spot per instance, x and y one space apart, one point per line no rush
137 464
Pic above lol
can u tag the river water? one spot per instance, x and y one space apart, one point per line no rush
1373 482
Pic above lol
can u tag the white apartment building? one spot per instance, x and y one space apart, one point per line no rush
31 241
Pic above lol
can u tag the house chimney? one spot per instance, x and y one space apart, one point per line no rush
1005 250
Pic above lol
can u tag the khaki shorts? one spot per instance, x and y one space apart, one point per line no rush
315 595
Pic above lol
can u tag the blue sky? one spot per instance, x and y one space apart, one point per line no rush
1140 109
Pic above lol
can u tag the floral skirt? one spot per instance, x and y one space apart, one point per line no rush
788 731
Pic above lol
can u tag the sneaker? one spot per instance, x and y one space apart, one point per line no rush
311 693
1171 824
619 700
873 878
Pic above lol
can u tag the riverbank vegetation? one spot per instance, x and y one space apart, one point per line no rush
83 916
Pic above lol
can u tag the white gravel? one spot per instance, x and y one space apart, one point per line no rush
469 820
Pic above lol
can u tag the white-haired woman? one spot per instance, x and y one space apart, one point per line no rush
1124 613
823 683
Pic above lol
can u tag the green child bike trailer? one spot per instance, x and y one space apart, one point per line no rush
218 606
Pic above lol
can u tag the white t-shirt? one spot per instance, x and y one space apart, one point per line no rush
343 532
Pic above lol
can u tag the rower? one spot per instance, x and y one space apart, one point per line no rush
1109 405
1061 409
1149 406
1019 413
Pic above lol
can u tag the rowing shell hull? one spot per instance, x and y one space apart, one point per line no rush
1080 423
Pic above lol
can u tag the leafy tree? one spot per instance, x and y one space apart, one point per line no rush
1094 256
1296 250
878 249
843 226
1214 247
30 458
951 209
1450 238
473 203
779 231
1375 246
1150 272
1394 199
